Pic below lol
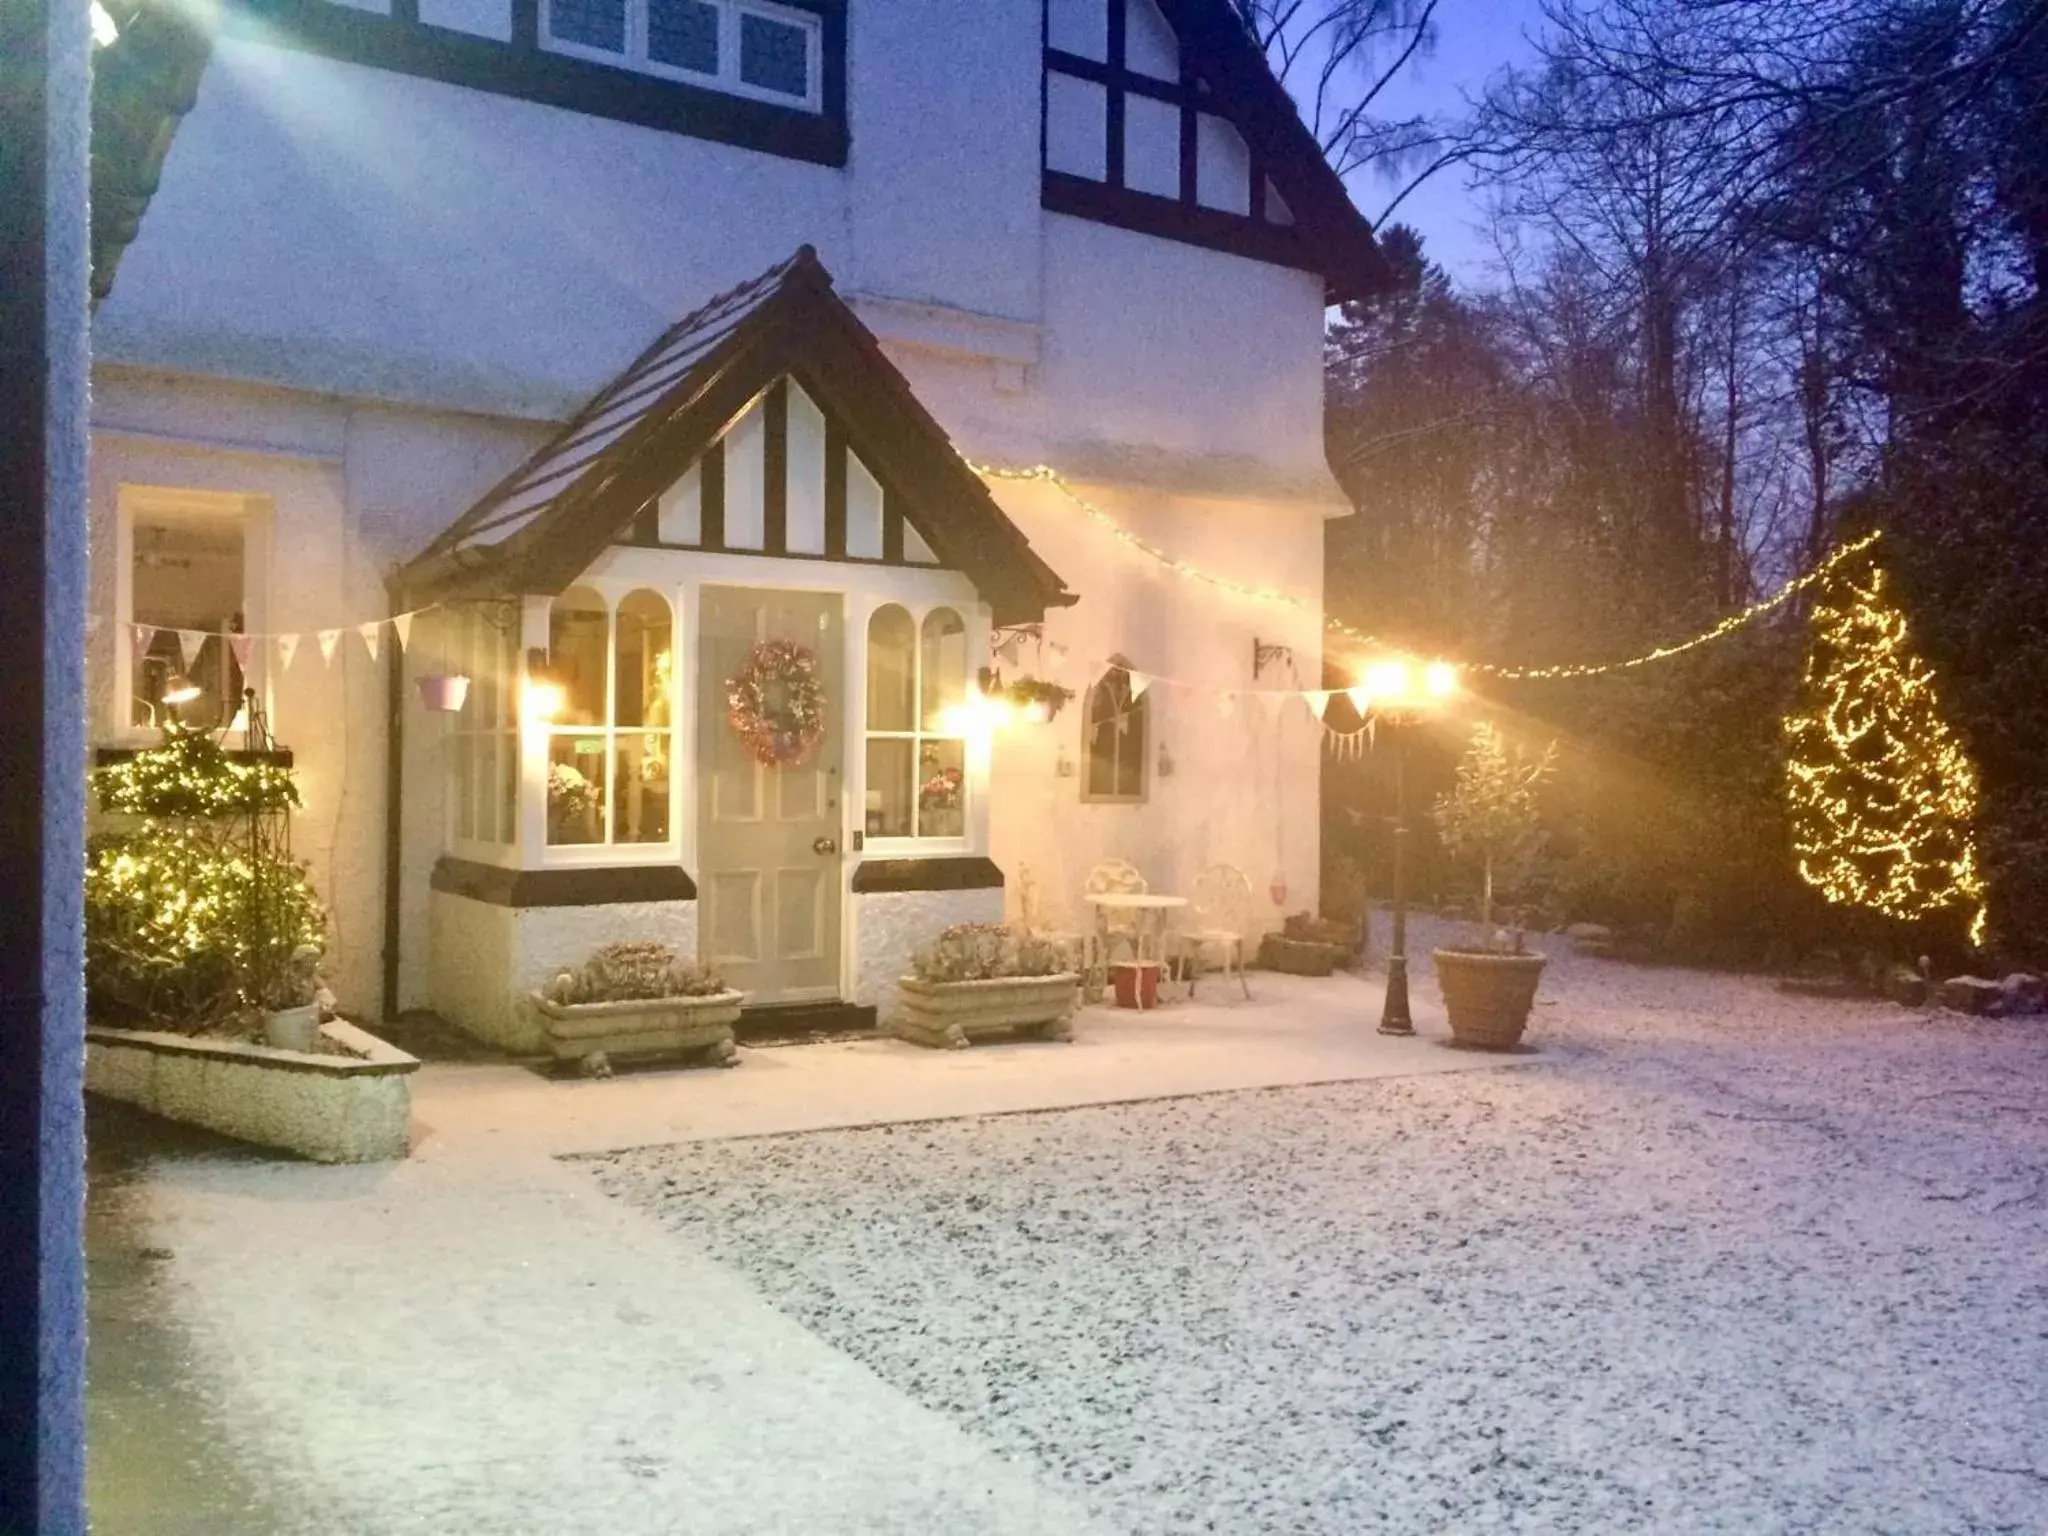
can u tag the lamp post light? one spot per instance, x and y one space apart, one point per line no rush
1397 693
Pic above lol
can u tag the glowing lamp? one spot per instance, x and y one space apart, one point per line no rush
105 30
180 689
541 696
1387 682
979 715
1038 712
1440 679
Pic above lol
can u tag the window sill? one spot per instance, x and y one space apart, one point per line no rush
499 886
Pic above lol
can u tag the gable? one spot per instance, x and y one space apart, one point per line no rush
785 479
1161 116
729 379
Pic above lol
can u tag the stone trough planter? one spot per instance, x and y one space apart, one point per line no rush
329 1108
592 1034
951 1014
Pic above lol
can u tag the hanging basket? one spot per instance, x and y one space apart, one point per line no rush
444 693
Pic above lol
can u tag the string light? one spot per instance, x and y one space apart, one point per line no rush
1882 793
1045 474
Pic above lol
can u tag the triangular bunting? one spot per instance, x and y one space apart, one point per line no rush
140 638
1139 683
401 626
1360 699
329 639
371 633
190 643
287 647
1318 701
244 647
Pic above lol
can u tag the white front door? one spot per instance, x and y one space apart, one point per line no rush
768 888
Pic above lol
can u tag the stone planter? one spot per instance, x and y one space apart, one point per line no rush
953 1013
1487 996
330 1107
590 1034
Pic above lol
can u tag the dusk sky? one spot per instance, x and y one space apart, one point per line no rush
1475 40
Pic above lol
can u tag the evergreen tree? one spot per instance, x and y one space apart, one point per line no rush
1882 793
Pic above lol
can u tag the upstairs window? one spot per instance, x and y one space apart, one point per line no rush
1116 725
751 49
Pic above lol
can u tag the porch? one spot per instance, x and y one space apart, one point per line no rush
1294 1031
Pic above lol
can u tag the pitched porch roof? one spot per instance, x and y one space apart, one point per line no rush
542 525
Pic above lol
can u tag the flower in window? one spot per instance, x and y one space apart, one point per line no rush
941 792
569 792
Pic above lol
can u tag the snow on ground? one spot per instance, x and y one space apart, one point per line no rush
1719 1260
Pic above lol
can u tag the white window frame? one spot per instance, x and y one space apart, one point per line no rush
970 777
1143 704
464 653
727 78
534 786
141 503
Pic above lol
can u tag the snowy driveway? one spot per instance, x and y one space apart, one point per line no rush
1718 1261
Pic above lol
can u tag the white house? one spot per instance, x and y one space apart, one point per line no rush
595 341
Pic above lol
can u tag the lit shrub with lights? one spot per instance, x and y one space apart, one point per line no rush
195 912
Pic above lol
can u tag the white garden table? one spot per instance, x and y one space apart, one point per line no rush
1151 909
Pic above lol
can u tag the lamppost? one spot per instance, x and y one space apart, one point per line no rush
1400 693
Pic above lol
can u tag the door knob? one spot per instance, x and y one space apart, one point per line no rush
824 845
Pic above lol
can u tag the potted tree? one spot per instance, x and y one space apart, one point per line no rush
638 999
983 979
1490 815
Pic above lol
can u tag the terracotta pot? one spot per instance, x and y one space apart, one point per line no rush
1488 996
446 694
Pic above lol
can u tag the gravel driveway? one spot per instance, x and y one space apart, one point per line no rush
1718 1261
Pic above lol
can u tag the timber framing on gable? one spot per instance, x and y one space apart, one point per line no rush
594 483
1291 209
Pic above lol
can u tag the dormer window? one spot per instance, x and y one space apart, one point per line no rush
764 51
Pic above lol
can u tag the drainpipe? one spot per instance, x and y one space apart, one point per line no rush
394 813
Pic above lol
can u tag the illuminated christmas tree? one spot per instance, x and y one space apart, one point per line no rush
1882 793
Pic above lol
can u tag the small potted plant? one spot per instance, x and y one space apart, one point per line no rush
983 979
1490 815
290 999
638 999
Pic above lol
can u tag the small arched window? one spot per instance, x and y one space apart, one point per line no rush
916 750
610 748
1116 727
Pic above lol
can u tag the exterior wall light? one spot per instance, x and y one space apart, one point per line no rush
541 695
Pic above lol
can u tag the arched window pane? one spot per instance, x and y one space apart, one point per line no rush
1115 747
644 687
892 644
576 650
944 668
646 664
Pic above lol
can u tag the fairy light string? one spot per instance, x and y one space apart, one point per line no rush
1045 474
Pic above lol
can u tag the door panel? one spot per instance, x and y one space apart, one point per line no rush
770 898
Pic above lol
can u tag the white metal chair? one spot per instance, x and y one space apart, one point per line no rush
1219 914
1041 922
1111 928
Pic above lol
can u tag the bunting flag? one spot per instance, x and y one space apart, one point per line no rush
140 638
370 632
1318 701
1360 699
329 639
1139 683
190 643
287 647
401 626
244 647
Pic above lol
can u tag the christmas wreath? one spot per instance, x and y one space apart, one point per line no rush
775 705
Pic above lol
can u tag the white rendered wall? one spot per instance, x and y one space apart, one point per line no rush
892 925
486 959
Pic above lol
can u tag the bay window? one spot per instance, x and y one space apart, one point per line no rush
483 645
611 747
916 746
